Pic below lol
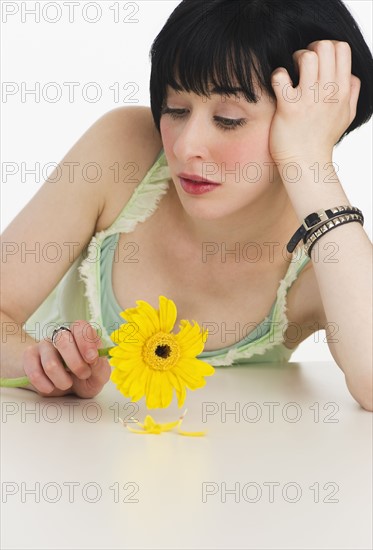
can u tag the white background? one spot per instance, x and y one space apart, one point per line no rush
112 52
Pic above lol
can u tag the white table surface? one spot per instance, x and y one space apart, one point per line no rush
298 453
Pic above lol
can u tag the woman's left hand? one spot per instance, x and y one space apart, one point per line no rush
310 118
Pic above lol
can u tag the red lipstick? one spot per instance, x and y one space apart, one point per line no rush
195 185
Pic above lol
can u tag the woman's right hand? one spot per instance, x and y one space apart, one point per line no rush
44 368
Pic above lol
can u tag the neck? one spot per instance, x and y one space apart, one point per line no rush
257 232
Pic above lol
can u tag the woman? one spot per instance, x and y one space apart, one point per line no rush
249 97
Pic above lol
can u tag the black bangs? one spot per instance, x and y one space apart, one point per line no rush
208 59
225 45
206 53
221 70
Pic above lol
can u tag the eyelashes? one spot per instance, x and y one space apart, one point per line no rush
221 122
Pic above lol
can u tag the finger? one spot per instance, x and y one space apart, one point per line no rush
355 91
68 349
312 45
53 367
87 340
296 55
281 84
325 51
34 371
306 61
343 65
343 56
101 371
45 370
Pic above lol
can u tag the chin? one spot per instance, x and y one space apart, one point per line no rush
205 211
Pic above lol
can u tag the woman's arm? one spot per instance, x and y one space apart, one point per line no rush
342 261
63 213
303 135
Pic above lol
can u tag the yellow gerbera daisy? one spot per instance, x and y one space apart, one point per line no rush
154 362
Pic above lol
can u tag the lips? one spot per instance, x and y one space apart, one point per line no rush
199 187
196 179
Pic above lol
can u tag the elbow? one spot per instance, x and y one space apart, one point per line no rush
362 391
367 405
366 402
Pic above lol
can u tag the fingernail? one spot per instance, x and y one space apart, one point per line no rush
91 355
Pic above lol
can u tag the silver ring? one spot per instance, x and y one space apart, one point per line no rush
56 331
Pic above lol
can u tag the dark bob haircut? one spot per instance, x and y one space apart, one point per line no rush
206 42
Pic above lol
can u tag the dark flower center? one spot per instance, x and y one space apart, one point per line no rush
163 351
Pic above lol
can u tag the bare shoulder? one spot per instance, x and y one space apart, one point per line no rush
305 309
132 143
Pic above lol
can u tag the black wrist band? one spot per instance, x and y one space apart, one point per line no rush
312 239
313 220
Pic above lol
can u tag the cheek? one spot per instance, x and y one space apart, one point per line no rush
250 156
254 147
167 135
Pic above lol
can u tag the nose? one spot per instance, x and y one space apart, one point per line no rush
192 139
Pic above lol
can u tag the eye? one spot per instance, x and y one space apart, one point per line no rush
229 123
174 113
221 122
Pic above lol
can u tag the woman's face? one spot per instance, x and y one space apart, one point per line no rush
224 139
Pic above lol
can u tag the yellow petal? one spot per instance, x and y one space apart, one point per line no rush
127 354
128 334
166 389
137 388
124 365
145 326
191 434
137 327
123 379
150 426
169 425
154 431
146 311
149 422
160 392
179 386
190 339
128 312
135 383
194 368
152 390
167 314
191 381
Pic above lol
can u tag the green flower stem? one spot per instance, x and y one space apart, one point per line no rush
24 381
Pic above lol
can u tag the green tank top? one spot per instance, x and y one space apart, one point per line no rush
256 344
85 291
